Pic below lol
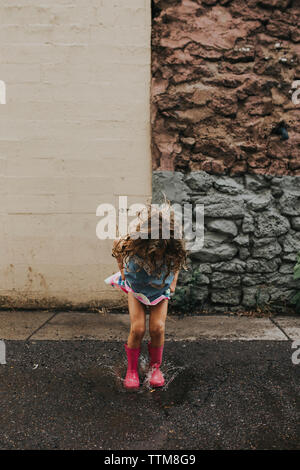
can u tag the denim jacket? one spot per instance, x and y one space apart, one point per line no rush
142 281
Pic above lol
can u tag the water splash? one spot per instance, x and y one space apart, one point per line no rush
118 372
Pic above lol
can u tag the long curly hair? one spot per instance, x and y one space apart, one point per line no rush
160 254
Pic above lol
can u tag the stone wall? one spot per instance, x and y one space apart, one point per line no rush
225 134
251 237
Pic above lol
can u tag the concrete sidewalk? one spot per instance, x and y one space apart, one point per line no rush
43 325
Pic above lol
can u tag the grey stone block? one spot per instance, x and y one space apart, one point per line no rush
205 268
281 295
292 257
262 266
242 240
172 184
255 296
267 250
291 242
234 266
199 181
258 242
256 182
287 268
284 280
295 223
224 280
223 226
270 224
248 224
201 294
228 185
277 192
203 280
289 203
260 202
230 209
215 253
230 296
252 279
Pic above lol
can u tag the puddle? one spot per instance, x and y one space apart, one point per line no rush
178 381
118 372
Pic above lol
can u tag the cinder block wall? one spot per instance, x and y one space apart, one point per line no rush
74 133
222 76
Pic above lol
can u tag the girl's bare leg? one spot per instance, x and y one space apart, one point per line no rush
157 320
137 316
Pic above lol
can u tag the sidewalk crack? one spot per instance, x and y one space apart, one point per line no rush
281 329
41 326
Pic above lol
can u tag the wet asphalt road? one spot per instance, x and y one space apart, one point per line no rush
226 395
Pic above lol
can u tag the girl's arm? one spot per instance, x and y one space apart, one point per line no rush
120 261
174 282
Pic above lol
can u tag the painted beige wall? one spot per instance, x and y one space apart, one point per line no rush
75 132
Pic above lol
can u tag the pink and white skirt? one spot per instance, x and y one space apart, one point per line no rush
115 280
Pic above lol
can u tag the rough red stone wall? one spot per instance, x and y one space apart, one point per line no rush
222 77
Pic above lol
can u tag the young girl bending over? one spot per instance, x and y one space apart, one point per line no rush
148 272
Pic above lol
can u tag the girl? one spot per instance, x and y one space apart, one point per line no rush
149 269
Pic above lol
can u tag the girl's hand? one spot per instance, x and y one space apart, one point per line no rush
173 286
174 282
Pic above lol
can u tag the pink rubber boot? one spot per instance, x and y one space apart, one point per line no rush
157 378
132 377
